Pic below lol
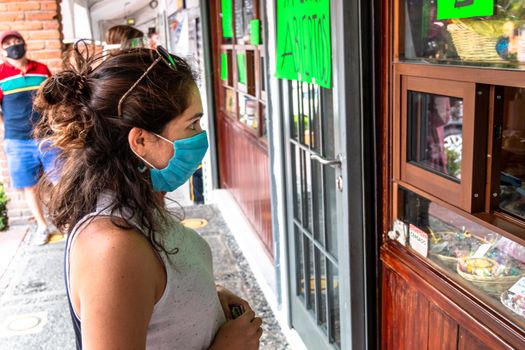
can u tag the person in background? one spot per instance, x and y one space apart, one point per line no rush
19 80
153 38
124 37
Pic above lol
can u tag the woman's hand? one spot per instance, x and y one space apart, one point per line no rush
243 333
227 298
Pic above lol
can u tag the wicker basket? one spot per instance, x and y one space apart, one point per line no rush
492 285
472 46
449 261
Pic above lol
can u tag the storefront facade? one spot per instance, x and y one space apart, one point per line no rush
379 161
297 155
453 253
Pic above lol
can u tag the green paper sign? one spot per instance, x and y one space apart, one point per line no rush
227 21
224 66
304 51
448 9
241 67
255 32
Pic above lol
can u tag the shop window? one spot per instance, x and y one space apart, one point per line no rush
229 103
438 150
495 38
435 133
246 71
509 155
241 65
489 265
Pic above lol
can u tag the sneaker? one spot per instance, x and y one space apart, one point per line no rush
41 236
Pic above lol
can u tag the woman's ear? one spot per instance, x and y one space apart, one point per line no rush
137 141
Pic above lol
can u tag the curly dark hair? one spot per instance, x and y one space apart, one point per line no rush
78 108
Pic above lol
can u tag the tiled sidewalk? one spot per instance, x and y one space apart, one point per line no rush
33 304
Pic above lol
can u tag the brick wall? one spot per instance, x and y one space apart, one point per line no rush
39 23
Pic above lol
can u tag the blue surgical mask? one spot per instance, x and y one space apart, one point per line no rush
188 154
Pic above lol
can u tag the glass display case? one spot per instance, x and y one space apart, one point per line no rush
494 38
488 264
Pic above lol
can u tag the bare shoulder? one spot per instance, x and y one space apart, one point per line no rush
104 234
114 258
102 242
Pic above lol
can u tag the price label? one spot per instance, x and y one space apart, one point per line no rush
418 240
482 250
518 287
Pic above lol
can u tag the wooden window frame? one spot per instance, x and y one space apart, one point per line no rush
468 193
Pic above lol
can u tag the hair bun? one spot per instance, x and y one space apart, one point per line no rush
66 118
65 87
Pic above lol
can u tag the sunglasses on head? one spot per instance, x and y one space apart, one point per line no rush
164 56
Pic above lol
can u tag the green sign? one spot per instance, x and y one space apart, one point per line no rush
241 67
255 32
227 21
224 66
448 9
304 50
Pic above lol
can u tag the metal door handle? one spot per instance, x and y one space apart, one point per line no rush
336 163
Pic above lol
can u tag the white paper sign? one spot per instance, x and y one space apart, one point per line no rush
418 240
518 287
482 250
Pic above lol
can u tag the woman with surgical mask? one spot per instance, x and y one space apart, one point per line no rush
129 131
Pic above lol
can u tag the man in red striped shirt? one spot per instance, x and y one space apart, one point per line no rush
19 80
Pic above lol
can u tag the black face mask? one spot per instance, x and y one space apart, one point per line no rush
16 52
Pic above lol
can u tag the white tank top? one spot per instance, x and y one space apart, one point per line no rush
189 314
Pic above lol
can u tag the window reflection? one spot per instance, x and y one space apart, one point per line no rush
512 180
435 132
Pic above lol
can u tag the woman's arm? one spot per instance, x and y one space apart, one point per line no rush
116 278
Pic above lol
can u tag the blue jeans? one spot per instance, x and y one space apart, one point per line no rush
25 162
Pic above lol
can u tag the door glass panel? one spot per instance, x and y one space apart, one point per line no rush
318 209
299 263
335 320
327 124
435 133
496 38
309 196
310 277
330 212
512 156
297 183
324 290
294 122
